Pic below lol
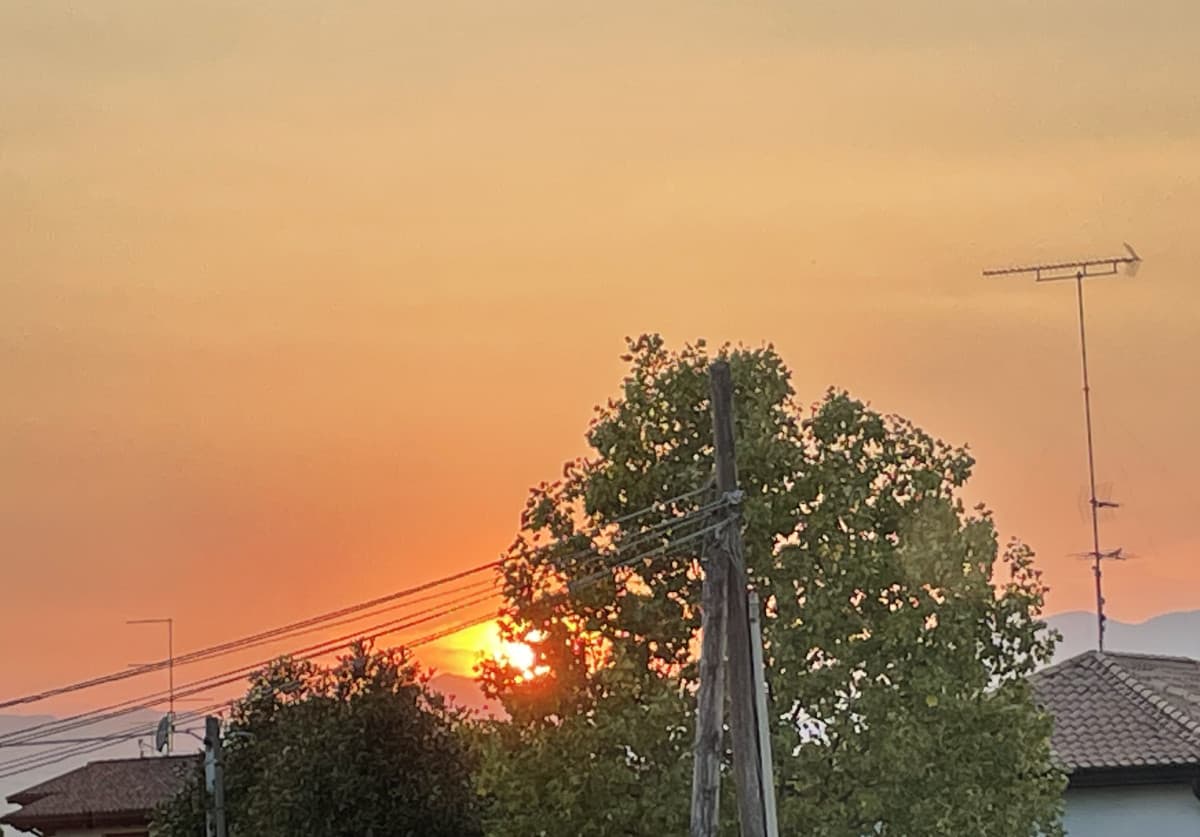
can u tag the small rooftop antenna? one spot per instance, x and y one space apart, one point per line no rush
1087 269
162 733
170 623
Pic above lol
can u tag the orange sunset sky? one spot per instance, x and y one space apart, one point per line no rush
298 299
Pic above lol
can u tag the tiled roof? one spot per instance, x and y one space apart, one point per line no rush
103 787
1175 679
1123 710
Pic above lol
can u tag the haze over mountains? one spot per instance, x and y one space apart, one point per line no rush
1171 634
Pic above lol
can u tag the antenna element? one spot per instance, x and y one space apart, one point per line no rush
1080 270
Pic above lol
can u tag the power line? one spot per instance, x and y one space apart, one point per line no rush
85 746
579 583
28 763
662 505
216 680
35 761
319 622
311 652
78 746
235 675
130 733
321 649
136 731
216 650
280 635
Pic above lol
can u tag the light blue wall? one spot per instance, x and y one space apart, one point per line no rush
1137 811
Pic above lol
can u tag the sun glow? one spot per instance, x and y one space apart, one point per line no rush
519 655
522 657
461 653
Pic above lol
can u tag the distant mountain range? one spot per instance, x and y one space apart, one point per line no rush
1172 634
465 692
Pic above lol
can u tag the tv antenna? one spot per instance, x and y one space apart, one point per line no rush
170 623
162 733
1087 269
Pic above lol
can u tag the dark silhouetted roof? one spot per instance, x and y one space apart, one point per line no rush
1114 711
102 788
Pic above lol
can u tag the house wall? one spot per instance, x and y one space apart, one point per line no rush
111 831
1140 810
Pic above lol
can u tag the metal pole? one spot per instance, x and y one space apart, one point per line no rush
1079 271
212 731
215 777
1094 501
171 682
170 623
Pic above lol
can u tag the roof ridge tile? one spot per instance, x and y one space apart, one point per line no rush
1137 655
1062 665
1151 696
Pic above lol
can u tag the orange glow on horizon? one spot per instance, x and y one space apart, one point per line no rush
300 314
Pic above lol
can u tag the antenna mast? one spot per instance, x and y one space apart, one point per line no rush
1079 271
170 623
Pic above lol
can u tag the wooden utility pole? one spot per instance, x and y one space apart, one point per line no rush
743 719
706 768
726 627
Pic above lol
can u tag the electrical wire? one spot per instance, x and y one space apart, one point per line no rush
60 726
35 761
328 646
234 644
85 747
316 623
235 675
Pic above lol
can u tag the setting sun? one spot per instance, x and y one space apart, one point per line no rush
459 654
522 657
519 655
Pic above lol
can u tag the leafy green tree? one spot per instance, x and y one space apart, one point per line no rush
898 634
361 749
596 773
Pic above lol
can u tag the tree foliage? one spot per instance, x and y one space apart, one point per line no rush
361 749
898 634
596 773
